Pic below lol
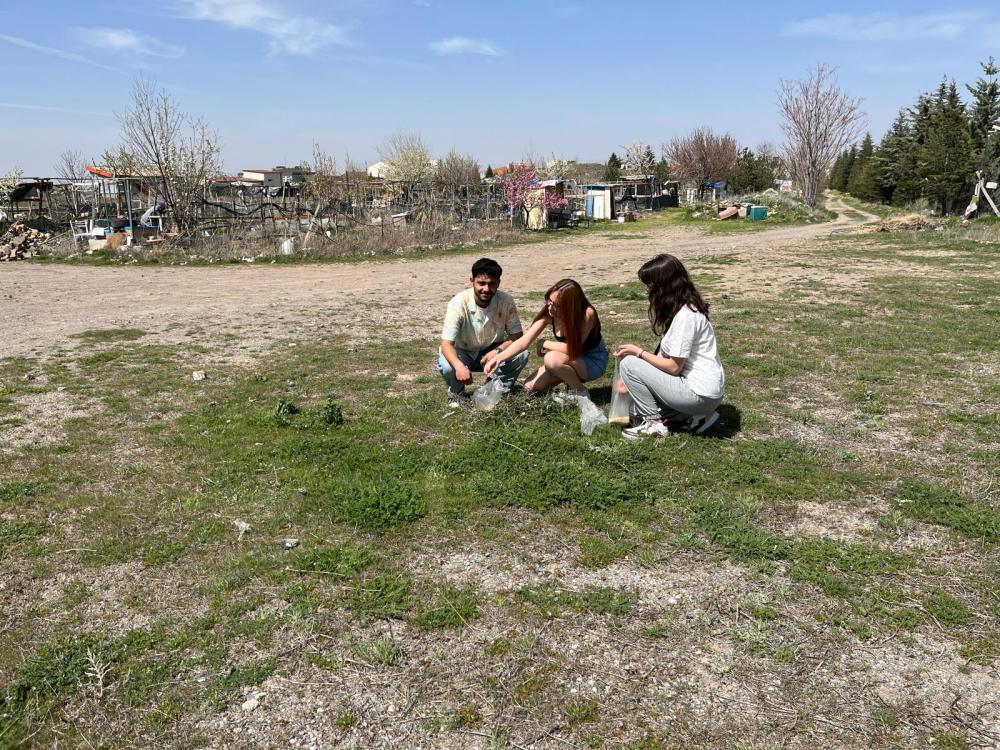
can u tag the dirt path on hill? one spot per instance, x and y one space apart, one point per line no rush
44 305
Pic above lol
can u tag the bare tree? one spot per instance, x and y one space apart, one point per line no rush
323 188
702 156
456 170
173 152
71 167
820 120
458 174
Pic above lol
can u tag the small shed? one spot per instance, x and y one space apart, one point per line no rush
540 217
599 200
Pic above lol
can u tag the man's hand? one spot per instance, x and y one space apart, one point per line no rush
490 366
462 374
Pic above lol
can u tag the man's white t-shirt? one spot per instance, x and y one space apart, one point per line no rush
691 336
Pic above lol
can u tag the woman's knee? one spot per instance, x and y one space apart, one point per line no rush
555 359
628 368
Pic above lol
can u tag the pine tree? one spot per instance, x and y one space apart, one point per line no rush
613 169
844 178
947 149
837 170
860 182
984 114
889 159
488 175
662 171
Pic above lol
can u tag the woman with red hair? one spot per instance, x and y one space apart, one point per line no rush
577 353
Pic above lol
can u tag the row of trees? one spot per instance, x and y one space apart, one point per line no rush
703 157
932 150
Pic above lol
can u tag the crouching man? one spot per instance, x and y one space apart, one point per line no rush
479 324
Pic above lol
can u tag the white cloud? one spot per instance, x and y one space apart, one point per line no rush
64 54
885 27
126 40
289 32
462 45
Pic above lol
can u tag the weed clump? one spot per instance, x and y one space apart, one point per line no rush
332 413
379 505
284 409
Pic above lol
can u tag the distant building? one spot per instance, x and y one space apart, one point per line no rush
278 177
379 169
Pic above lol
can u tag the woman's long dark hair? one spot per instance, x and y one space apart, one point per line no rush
669 288
573 304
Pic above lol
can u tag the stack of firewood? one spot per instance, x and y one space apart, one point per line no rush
20 242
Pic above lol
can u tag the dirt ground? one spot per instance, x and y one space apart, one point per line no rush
43 305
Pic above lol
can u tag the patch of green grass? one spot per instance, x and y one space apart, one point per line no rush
384 651
581 711
102 357
946 608
380 596
933 503
599 551
340 560
466 716
109 335
950 741
552 600
377 505
20 489
449 607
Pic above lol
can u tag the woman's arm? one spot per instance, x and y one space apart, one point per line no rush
533 332
669 365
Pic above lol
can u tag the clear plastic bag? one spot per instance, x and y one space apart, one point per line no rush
590 416
488 395
620 411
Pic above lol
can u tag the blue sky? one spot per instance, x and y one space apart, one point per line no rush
497 80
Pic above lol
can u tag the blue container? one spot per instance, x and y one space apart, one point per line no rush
757 213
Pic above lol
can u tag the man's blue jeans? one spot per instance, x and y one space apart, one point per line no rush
506 373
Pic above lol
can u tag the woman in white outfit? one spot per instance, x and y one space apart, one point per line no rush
681 382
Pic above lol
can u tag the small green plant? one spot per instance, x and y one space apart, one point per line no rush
450 607
284 409
346 720
342 560
332 413
946 608
383 650
950 741
378 505
466 716
380 596
581 711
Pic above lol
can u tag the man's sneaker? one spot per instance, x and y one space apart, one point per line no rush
646 429
701 425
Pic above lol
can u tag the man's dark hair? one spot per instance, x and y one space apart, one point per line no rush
486 267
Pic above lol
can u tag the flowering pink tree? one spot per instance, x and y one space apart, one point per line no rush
522 193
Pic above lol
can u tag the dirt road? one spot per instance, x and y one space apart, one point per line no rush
43 305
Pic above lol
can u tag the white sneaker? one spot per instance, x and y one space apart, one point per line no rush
646 429
701 425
